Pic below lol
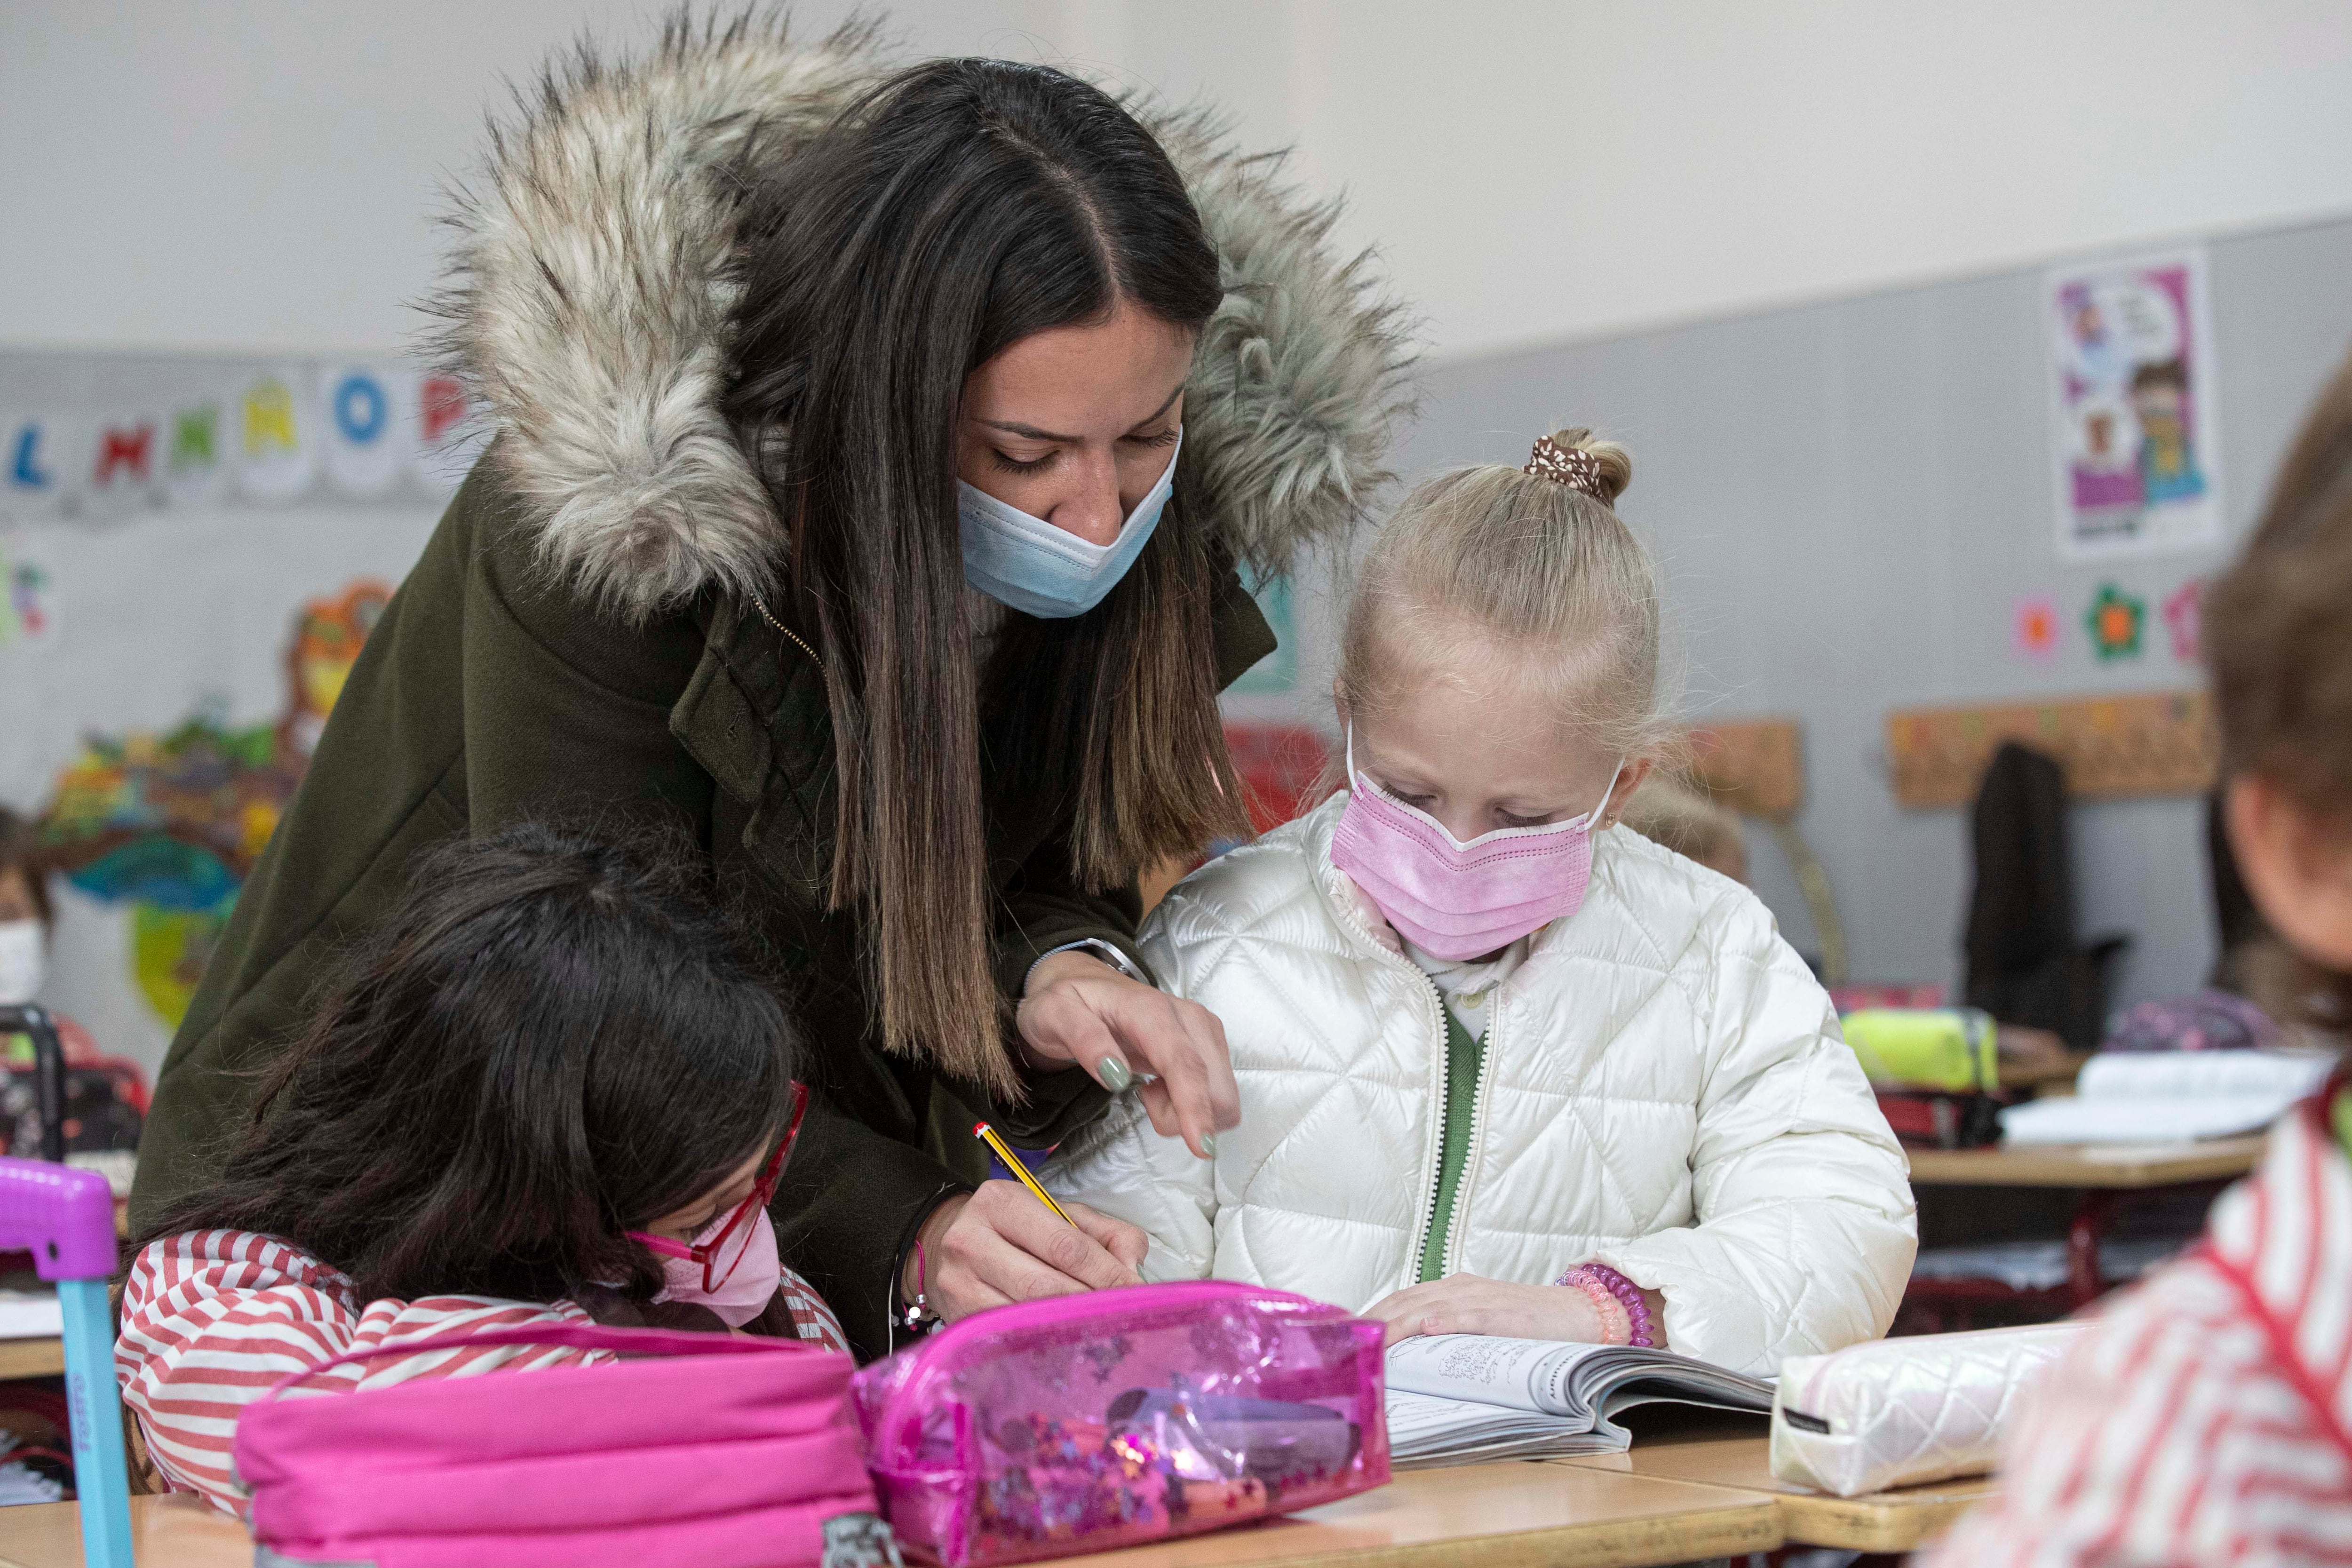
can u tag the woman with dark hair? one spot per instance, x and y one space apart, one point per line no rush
548 1085
872 458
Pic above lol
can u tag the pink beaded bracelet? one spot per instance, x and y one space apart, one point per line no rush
1616 1323
1599 1281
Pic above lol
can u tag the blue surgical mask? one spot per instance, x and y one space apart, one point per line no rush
1029 564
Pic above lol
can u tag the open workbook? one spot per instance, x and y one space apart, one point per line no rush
1456 1399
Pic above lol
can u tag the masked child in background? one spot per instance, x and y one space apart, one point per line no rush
545 1088
2206 1419
1504 1069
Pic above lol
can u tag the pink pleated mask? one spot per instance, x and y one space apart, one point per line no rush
1458 900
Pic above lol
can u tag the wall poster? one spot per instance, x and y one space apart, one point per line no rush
2135 436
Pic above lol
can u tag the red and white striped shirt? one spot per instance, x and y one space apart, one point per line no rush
213 1319
2205 1420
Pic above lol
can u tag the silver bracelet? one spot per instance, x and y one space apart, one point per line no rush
1100 949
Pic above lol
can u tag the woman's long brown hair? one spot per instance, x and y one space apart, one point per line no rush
963 206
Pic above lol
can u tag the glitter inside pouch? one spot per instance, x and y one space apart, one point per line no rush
1091 1422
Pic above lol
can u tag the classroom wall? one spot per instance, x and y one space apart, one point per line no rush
1849 498
260 173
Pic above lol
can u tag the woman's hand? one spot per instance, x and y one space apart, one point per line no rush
1000 1244
1468 1304
1078 1009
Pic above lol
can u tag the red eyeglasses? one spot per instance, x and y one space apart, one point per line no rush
720 1256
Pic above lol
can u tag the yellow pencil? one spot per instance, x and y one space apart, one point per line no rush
987 1135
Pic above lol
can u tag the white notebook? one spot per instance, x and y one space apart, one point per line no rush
1458 1399
30 1315
2161 1096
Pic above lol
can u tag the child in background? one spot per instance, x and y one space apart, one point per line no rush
1667 811
2205 1421
545 1088
1503 1069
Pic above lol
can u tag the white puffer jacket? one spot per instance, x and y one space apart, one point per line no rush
1664 1090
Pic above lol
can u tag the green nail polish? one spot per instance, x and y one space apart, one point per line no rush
1209 1145
1114 1075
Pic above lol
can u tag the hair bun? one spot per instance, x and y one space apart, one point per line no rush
1582 461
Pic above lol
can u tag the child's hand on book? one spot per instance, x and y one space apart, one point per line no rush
1470 1304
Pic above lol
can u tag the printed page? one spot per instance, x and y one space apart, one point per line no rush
1517 1374
1424 1430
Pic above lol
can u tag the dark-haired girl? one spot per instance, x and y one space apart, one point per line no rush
546 1086
873 457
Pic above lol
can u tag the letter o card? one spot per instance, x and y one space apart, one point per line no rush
367 438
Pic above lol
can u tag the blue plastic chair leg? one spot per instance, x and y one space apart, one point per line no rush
101 1476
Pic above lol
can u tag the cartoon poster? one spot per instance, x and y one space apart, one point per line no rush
2135 434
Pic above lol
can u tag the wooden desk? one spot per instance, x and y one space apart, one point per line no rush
1487 1516
32 1358
178 1531
2099 1172
2053 1074
1882 1521
2106 1165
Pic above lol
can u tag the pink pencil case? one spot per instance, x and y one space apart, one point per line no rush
1090 1422
703 1451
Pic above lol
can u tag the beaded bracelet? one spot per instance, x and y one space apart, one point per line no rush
1616 1323
1598 1279
919 1314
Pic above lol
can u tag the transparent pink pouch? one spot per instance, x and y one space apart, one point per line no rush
1095 1421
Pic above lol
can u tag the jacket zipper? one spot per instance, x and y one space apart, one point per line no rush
1436 1017
1445 1128
1451 1258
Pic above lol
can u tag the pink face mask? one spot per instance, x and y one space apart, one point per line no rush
1457 901
745 1281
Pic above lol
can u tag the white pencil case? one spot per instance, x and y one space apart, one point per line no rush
1891 1413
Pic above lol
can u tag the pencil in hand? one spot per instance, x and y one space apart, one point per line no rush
988 1136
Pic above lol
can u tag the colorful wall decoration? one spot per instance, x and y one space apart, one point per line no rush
171 824
2135 437
2184 619
116 439
2033 628
28 601
2115 620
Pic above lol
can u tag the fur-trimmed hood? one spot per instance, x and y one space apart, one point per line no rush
591 303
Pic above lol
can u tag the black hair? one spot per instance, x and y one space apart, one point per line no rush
548 1040
20 850
961 207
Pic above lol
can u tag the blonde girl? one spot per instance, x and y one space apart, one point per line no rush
1504 1068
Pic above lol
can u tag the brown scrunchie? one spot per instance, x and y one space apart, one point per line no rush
1571 466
